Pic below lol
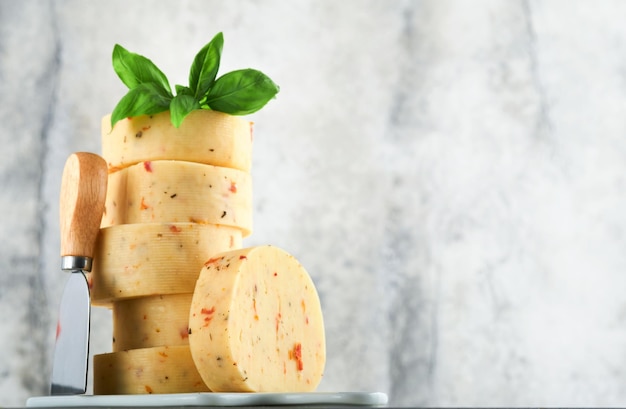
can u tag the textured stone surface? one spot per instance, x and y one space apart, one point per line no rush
451 174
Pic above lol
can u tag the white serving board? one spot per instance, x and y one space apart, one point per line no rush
212 399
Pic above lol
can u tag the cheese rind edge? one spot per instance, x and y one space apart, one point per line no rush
147 371
164 191
158 320
137 260
209 137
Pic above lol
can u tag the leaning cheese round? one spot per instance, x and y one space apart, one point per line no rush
145 322
148 370
256 323
176 191
204 136
138 260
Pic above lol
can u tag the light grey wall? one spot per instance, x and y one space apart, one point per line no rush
452 175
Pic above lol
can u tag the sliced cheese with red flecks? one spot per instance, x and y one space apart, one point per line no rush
138 260
205 136
167 369
159 320
256 323
176 191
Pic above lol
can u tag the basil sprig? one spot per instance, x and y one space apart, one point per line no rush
239 92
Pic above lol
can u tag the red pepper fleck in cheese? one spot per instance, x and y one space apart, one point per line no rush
256 323
137 260
147 370
159 320
177 191
209 137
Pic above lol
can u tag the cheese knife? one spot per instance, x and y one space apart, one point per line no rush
83 192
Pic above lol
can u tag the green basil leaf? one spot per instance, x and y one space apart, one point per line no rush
181 106
241 92
134 69
205 65
143 99
181 89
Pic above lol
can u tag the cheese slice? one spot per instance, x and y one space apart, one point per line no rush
176 191
145 322
137 260
204 136
166 369
256 323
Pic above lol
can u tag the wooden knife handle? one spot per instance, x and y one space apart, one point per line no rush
83 192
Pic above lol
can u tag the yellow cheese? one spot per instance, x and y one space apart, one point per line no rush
256 323
148 370
151 321
136 260
176 191
204 136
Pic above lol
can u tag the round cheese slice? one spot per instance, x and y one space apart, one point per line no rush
176 191
166 369
151 321
138 260
256 323
204 136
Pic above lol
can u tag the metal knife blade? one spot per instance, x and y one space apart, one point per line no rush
72 345
83 192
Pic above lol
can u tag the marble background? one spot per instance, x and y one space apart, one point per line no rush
451 174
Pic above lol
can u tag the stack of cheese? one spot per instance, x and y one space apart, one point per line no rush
192 310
